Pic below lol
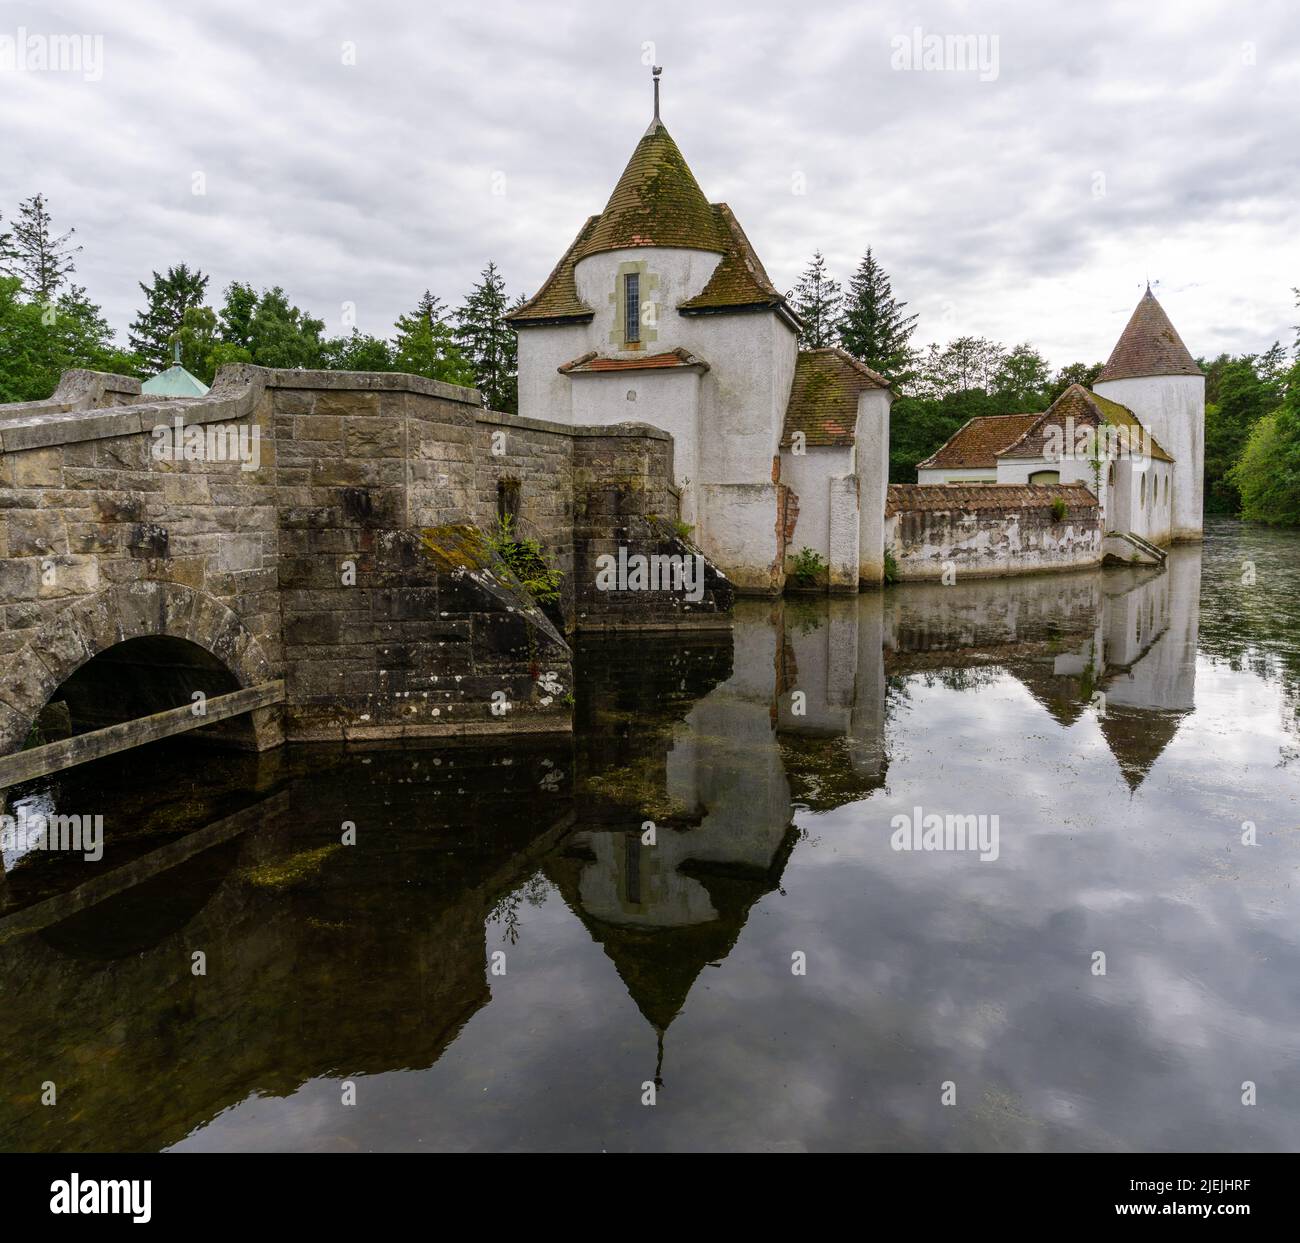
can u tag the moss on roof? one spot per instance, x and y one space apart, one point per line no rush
558 297
739 280
657 202
1086 409
824 396
977 442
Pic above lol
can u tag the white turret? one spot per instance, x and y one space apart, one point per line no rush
1152 373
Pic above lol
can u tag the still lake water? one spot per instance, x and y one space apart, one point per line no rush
1122 726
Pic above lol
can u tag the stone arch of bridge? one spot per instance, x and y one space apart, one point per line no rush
93 625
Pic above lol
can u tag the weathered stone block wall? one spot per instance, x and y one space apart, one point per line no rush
101 541
396 621
624 504
979 532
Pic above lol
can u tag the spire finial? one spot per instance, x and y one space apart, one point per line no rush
176 351
655 71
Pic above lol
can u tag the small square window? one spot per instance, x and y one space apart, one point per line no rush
632 307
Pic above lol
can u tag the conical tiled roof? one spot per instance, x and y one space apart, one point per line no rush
1149 345
657 202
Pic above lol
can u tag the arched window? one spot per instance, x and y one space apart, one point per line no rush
1110 476
1042 477
1142 491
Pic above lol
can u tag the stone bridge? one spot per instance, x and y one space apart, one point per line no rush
302 555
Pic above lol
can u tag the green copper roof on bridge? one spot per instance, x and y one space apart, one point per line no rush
174 382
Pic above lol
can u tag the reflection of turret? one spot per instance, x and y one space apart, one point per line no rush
1150 663
698 757
1130 634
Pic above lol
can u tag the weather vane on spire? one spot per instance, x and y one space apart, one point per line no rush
655 71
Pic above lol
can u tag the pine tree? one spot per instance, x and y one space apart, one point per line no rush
425 344
166 300
40 260
488 341
873 326
818 301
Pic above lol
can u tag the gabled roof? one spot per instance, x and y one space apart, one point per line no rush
977 442
1085 408
1149 345
658 202
824 396
594 362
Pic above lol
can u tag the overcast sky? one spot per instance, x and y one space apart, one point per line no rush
1112 141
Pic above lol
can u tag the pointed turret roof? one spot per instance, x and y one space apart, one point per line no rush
1149 345
658 202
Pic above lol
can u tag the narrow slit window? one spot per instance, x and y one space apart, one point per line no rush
632 307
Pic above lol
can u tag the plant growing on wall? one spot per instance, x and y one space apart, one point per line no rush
526 560
891 566
807 567
1058 510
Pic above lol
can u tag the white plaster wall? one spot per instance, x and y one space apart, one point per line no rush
1135 511
844 548
987 543
671 276
543 391
1071 470
809 476
729 435
872 458
752 359
668 399
1173 408
738 525
946 475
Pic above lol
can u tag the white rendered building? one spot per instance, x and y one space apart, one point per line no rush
660 312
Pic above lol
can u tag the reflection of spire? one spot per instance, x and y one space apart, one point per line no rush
659 963
659 1059
1137 739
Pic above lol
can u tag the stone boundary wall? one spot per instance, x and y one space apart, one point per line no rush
347 562
980 532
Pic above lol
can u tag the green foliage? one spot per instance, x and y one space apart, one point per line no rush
425 344
487 340
1268 473
42 262
1058 510
39 341
873 326
807 567
1073 373
1239 392
356 352
527 561
167 300
817 300
891 566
